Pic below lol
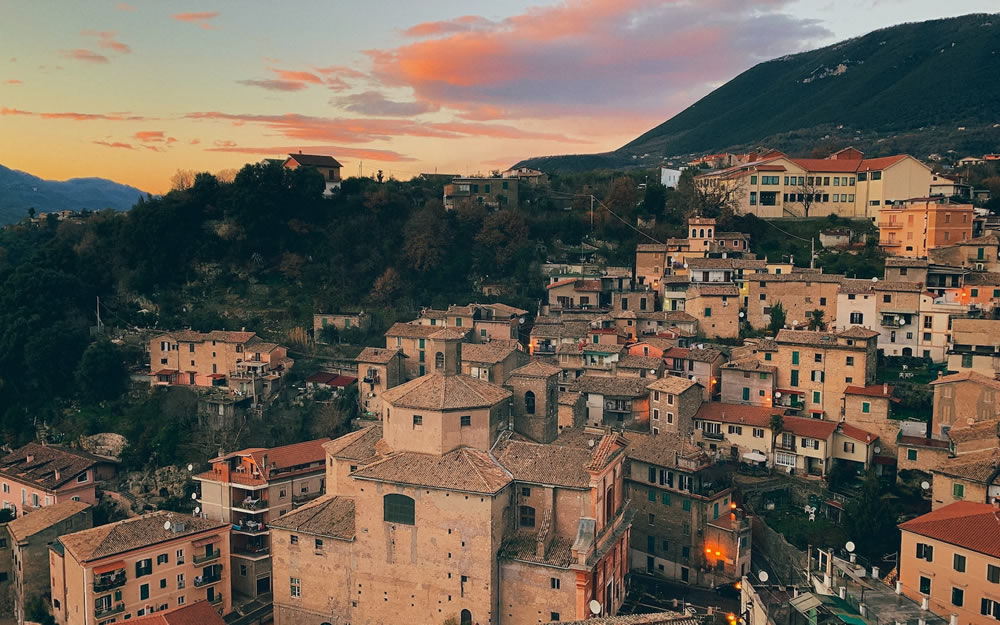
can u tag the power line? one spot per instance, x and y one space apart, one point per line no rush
596 199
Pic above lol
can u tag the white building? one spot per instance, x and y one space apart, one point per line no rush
669 177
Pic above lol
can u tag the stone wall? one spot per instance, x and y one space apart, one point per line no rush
784 561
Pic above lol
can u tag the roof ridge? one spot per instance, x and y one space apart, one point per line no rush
468 461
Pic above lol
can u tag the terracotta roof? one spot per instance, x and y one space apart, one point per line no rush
564 462
855 432
969 376
973 526
984 278
135 533
45 461
610 445
314 160
559 283
446 392
624 314
221 336
504 309
873 390
795 276
750 364
676 352
640 362
357 445
980 431
44 518
465 469
806 337
659 342
493 352
377 355
852 285
715 289
558 552
713 263
651 247
672 384
858 332
287 456
759 416
656 618
433 313
327 516
703 355
568 398
197 613
978 466
663 449
416 331
903 261
731 235
893 285
613 387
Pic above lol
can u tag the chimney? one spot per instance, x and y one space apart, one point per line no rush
899 588
843 592
925 604
875 572
58 475
953 620
885 388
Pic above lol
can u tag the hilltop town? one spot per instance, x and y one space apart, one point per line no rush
702 433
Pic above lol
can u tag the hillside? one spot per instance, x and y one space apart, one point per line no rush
20 191
907 88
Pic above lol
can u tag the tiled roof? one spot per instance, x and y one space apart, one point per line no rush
855 432
44 518
45 461
651 247
981 431
970 376
973 526
677 352
903 261
415 331
504 309
315 160
558 552
873 390
613 387
895 285
358 445
433 313
221 336
492 352
855 286
624 314
327 516
795 276
656 618
711 263
658 342
568 398
446 392
759 416
197 613
663 449
640 362
565 462
806 337
731 235
750 364
377 355
465 469
672 384
703 355
287 456
608 448
983 278
537 369
858 332
977 467
715 289
135 533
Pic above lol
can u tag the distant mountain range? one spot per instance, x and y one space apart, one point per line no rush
20 191
921 88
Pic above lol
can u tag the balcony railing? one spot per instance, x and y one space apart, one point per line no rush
207 557
715 436
102 612
890 225
216 600
205 580
104 583
892 322
250 527
892 243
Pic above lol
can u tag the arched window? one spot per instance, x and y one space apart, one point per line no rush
702 232
439 360
529 402
466 618
397 509
709 233
694 233
527 515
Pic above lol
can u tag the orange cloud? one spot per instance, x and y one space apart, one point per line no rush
195 16
153 136
285 74
385 156
7 111
80 54
106 39
114 144
14 81
86 117
124 6
459 24
224 144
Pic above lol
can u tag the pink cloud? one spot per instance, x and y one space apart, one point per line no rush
219 143
194 141
460 24
199 16
114 144
124 6
7 111
363 130
153 136
80 117
80 54
385 156
286 74
14 81
106 39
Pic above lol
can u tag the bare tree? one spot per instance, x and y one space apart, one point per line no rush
182 180
807 192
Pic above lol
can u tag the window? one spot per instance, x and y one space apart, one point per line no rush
82 478
144 567
795 377
295 587
708 312
887 299
866 407
958 563
957 596
319 544
876 175
651 495
418 421
990 608
850 361
746 394
144 591
817 357
911 454
993 574
686 505
554 616
925 552
967 361
180 556
527 516
665 500
162 558
784 459
652 475
753 179
736 429
294 540
465 420
554 583
795 358
848 447
525 491
958 490
397 509
974 292
817 397
758 432
753 198
529 402
651 519
439 360
767 355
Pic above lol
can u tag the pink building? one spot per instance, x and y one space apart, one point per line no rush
38 475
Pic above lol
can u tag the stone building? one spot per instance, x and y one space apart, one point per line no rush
428 349
870 408
378 370
442 512
673 403
492 361
38 475
616 402
535 400
748 381
799 293
716 307
964 398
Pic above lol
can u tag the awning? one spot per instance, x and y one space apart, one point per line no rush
791 392
217 376
206 541
107 568
165 372
754 456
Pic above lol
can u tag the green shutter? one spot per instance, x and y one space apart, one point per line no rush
795 358
746 394
795 377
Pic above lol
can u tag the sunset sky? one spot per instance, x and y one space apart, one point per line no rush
134 91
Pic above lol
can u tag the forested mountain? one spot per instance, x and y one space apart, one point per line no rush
917 88
20 192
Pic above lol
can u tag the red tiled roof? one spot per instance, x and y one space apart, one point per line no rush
771 168
873 390
560 283
198 613
857 433
286 456
738 413
974 526
164 372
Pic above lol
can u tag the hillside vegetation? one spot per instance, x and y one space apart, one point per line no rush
907 88
21 192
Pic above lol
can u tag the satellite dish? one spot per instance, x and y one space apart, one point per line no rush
777 394
874 278
685 265
849 546
924 485
652 371
521 320
763 576
166 525
595 607
197 509
877 449
190 467
742 315
194 495
795 322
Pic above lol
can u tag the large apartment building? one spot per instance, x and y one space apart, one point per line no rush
950 558
131 568
442 512
914 227
845 184
38 475
490 192
250 488
241 361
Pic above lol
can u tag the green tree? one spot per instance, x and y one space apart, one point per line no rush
101 374
777 318
777 426
816 321
655 199
869 521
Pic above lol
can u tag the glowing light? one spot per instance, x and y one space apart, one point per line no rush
738 585
708 550
733 505
718 553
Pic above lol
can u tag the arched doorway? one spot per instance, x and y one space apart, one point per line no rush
466 618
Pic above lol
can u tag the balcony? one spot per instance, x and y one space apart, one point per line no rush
251 552
890 243
250 528
892 322
103 612
789 447
302 498
104 583
890 225
715 436
207 580
207 557
251 506
216 599
371 378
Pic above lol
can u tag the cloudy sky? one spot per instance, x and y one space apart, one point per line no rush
136 90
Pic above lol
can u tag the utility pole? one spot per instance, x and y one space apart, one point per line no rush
98 314
591 214
812 253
